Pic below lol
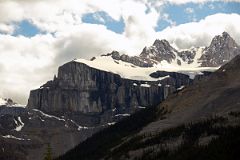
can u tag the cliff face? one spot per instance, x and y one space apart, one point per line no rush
79 88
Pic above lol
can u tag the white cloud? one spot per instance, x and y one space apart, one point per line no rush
7 28
179 2
200 33
26 63
138 23
37 58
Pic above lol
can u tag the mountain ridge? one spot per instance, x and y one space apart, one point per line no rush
209 56
89 95
189 124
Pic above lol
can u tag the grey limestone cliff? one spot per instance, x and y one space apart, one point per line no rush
82 90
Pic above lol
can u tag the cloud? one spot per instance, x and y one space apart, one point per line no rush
6 28
38 57
180 2
24 63
200 33
28 62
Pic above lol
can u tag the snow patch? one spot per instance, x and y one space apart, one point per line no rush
141 107
19 105
122 115
145 85
112 123
180 88
79 127
13 137
19 127
49 116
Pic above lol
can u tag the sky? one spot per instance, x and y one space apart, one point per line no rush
37 36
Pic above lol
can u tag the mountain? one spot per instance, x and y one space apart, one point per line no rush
25 133
197 122
103 90
160 50
87 96
106 89
222 49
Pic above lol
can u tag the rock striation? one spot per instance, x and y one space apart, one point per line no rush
81 89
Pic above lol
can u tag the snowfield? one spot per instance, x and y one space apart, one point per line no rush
19 126
133 72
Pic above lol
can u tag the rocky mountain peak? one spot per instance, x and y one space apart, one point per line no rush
161 43
159 51
225 34
221 50
224 40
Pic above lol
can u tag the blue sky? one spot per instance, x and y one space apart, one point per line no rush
180 14
25 28
39 36
176 14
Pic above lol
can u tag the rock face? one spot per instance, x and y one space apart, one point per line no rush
93 96
81 89
198 115
136 60
160 50
188 55
221 50
81 99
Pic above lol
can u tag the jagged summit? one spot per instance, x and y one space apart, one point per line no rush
224 40
221 50
160 50
159 43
